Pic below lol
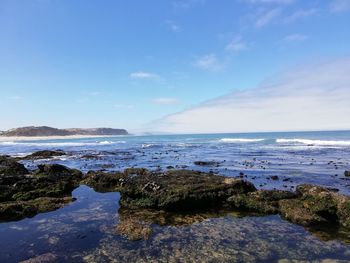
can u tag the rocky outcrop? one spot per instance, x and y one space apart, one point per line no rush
166 194
46 189
180 190
262 201
32 131
45 154
105 182
10 167
347 173
315 205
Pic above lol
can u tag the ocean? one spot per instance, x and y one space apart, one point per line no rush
84 231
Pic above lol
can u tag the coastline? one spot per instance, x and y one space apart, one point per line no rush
46 138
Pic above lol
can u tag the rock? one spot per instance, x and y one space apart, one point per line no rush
347 173
46 154
180 190
47 189
316 205
206 163
136 171
262 201
10 167
274 177
20 209
57 170
105 182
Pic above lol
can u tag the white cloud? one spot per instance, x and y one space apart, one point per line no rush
300 14
340 5
268 17
208 62
236 44
143 75
173 26
15 97
296 38
166 101
123 106
315 97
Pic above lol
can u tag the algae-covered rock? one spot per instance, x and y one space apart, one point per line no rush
180 190
105 182
46 189
20 209
10 167
316 205
262 201
58 171
45 154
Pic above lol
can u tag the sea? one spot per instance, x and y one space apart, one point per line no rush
85 230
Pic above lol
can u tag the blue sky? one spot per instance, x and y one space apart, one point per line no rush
89 63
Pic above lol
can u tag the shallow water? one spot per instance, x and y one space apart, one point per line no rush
86 230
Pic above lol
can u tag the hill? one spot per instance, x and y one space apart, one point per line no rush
33 131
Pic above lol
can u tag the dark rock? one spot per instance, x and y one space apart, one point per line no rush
316 205
57 170
10 167
48 188
347 173
274 177
105 182
206 163
180 190
262 201
20 209
136 171
46 154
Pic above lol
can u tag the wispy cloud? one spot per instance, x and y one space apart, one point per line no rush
237 44
296 38
143 75
208 62
315 97
268 17
15 97
166 101
300 14
123 106
173 26
339 5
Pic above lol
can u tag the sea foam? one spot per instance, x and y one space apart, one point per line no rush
240 140
315 142
62 144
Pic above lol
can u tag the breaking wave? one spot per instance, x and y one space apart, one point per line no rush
62 144
240 140
315 142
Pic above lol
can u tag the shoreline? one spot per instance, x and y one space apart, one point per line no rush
46 138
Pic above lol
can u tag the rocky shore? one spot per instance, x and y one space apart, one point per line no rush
148 196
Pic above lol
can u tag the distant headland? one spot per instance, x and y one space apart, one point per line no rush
45 131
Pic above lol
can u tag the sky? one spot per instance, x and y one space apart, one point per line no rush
182 66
